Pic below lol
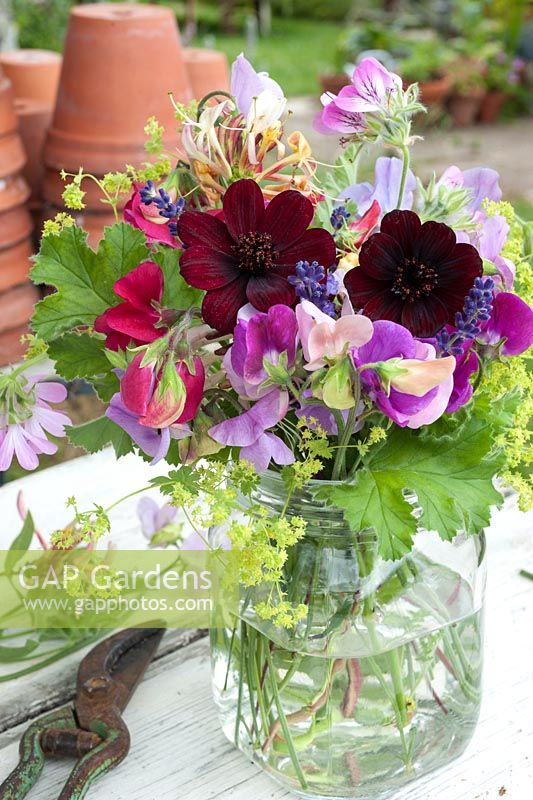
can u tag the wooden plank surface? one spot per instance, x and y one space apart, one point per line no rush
178 748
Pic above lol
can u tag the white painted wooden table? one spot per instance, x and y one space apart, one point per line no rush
178 749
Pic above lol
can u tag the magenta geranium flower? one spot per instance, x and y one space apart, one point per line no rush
137 319
412 273
248 257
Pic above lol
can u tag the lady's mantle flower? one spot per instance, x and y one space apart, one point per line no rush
137 319
403 376
412 273
250 432
249 257
264 339
26 418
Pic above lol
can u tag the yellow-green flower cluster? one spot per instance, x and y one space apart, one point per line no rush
87 527
283 614
514 247
376 434
57 224
155 133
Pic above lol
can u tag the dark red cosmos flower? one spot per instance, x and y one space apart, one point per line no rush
134 320
248 256
412 273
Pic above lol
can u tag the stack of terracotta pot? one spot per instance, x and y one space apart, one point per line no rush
34 76
120 63
207 69
17 295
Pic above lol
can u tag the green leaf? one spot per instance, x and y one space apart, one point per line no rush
178 294
451 476
79 356
84 279
21 542
186 476
95 435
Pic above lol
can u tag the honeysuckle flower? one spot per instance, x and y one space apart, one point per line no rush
137 319
163 397
385 189
324 339
248 257
158 523
148 219
414 397
412 273
511 322
26 423
262 341
250 432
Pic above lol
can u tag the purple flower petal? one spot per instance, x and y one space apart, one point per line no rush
151 441
512 320
268 447
246 429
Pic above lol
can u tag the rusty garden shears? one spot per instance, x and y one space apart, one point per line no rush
93 730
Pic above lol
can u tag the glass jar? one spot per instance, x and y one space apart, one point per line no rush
379 683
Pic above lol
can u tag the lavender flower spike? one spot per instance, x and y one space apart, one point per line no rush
310 284
469 322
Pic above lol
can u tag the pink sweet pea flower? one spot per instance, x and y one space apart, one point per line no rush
148 219
325 339
135 320
511 321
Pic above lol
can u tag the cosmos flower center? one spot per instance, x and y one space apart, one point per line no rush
254 252
414 280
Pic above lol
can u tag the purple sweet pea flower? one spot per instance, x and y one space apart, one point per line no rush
154 518
511 321
249 431
467 365
155 442
489 241
247 84
482 182
387 178
262 336
391 341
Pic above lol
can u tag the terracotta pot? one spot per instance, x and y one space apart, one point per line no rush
16 306
34 74
8 118
491 106
12 155
11 347
208 70
120 62
34 120
14 191
334 82
15 226
434 92
15 264
464 108
54 186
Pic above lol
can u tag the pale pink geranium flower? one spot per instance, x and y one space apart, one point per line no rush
26 418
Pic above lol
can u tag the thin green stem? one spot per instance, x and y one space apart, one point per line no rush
405 169
283 722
